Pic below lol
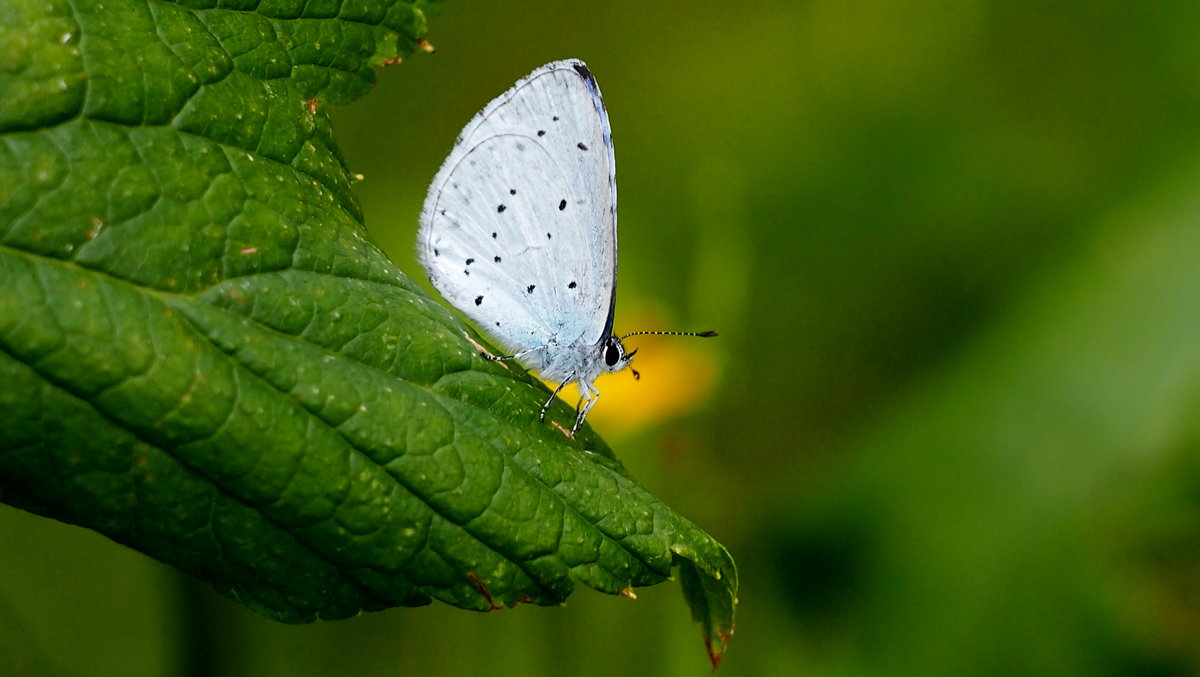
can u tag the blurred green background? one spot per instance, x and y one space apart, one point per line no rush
950 426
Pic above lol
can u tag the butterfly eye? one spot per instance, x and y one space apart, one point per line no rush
612 354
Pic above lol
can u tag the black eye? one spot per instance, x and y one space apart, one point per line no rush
612 355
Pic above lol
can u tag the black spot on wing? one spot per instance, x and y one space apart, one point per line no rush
496 259
470 261
478 300
493 236
530 288
581 146
512 191
562 204
500 209
572 285
541 132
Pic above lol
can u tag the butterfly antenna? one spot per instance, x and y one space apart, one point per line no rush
636 375
705 334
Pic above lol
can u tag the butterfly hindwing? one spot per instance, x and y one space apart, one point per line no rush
519 227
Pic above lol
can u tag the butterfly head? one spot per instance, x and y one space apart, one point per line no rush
615 357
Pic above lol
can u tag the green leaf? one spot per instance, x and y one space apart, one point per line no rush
204 356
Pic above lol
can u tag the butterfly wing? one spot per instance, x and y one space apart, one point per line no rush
519 227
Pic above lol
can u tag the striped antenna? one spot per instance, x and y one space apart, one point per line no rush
636 375
705 334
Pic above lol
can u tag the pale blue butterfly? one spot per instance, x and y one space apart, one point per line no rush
519 230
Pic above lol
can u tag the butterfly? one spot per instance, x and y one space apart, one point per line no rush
519 230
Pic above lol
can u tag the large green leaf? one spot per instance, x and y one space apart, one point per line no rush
204 356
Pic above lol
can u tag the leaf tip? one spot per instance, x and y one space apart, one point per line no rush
712 597
716 644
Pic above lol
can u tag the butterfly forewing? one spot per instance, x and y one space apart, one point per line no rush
519 227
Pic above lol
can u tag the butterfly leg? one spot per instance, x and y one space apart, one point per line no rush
590 395
542 416
501 358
